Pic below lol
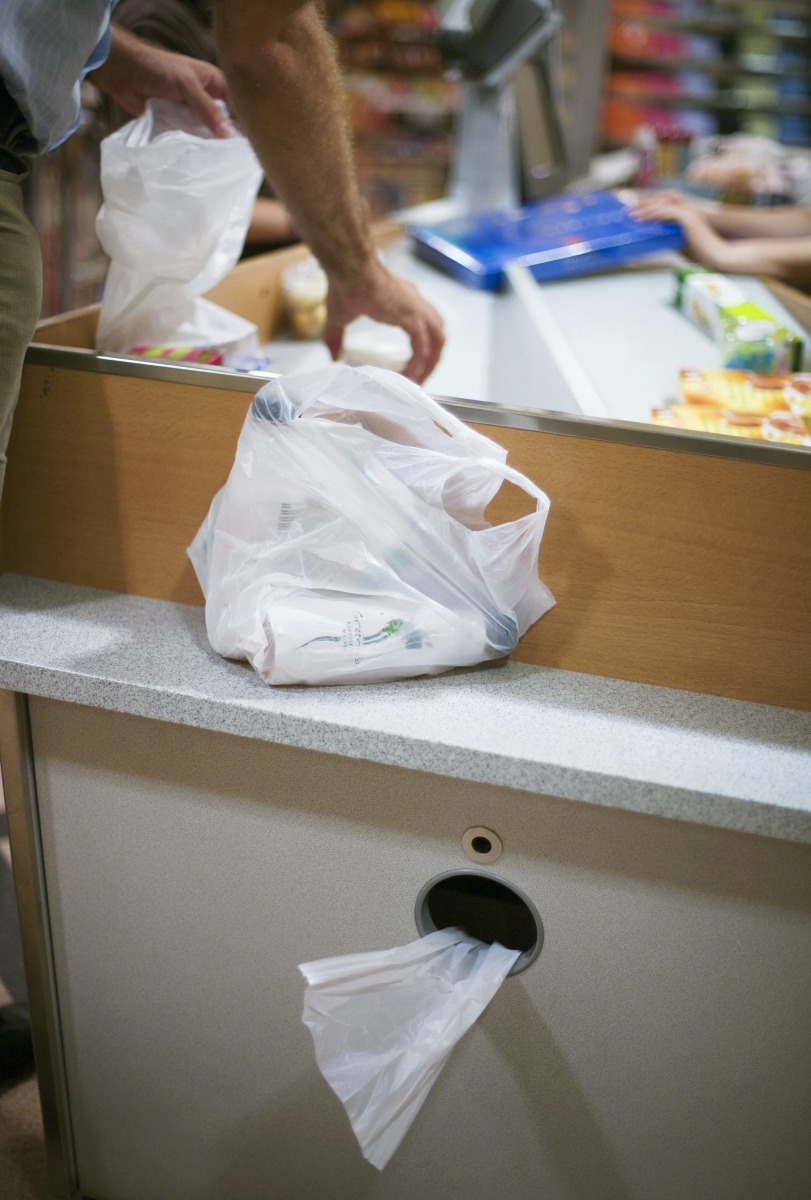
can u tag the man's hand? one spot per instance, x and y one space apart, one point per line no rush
136 71
384 297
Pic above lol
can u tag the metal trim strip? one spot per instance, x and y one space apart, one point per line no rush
481 412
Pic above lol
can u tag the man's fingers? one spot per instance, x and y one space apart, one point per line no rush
334 337
436 335
206 108
427 335
415 367
427 347
213 80
427 340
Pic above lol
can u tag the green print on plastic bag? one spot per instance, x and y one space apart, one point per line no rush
388 630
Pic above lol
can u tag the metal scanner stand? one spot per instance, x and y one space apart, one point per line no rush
508 144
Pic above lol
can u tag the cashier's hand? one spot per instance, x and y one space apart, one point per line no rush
136 72
385 297
701 242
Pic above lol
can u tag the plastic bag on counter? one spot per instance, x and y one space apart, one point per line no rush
384 1024
177 205
349 544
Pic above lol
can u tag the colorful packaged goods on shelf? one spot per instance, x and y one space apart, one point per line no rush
389 35
624 114
567 235
649 85
771 408
637 39
402 135
748 337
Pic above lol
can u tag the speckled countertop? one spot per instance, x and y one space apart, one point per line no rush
601 741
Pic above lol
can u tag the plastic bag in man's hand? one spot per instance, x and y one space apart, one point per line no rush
349 544
177 204
384 1023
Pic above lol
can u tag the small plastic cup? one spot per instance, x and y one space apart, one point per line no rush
304 286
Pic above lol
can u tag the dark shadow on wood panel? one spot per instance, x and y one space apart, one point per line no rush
61 485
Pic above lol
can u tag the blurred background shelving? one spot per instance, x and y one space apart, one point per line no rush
62 198
400 105
683 68
701 68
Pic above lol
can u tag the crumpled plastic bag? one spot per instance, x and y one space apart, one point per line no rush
177 205
384 1023
349 544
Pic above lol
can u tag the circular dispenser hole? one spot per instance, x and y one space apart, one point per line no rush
485 907
481 845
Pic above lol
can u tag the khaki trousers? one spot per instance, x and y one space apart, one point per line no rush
20 297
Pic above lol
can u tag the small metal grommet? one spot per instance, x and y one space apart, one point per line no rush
481 845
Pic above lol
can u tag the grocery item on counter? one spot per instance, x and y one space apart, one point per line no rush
248 357
747 336
797 392
702 420
369 343
557 238
304 287
189 354
772 408
740 392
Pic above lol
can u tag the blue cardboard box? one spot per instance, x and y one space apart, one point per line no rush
557 238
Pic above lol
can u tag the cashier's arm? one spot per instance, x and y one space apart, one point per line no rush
286 88
775 243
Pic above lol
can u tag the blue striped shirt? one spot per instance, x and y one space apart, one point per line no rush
46 49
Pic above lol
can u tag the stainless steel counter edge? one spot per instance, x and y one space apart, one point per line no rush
483 413
716 762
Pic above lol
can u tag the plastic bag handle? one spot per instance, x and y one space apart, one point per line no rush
446 420
508 473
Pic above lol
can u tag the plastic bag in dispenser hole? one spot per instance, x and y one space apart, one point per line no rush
384 1023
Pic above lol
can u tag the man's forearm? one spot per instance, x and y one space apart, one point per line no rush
286 88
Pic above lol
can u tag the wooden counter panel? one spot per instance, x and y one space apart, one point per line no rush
109 478
677 569
670 568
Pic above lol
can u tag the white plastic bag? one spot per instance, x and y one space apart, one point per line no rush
384 1024
349 543
177 205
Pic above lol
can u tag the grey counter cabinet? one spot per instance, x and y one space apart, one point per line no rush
184 836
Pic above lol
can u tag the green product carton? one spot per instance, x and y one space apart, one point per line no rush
748 337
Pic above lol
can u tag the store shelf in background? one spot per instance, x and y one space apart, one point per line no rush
622 117
400 107
720 70
734 103
732 25
709 68
786 22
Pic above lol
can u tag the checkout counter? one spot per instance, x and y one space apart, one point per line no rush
183 835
